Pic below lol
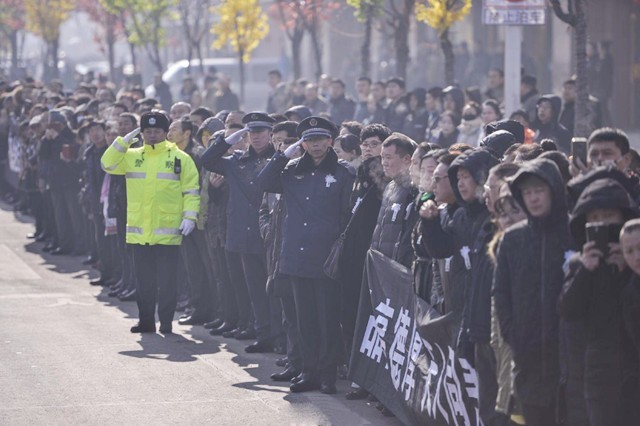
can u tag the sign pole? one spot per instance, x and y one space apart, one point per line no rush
512 68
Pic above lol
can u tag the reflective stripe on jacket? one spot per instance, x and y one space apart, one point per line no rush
158 198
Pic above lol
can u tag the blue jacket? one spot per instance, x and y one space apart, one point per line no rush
245 196
317 203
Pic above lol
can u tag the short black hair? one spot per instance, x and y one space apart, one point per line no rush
187 125
349 143
447 159
455 118
120 105
276 73
354 127
493 104
286 126
528 152
404 144
280 118
203 112
364 78
504 170
338 81
373 130
498 70
610 134
435 92
397 80
131 117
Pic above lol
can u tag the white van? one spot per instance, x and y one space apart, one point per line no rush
256 87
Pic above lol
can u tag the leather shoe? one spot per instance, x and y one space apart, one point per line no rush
128 297
357 394
213 324
89 261
259 348
328 388
231 333
49 247
98 281
281 362
138 328
114 293
297 378
285 376
58 251
224 328
166 329
307 383
191 320
245 335
40 238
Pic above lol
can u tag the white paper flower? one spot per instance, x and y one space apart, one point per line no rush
329 179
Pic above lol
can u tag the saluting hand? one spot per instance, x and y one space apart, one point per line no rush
237 136
293 149
130 138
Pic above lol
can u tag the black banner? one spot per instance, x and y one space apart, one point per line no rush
402 352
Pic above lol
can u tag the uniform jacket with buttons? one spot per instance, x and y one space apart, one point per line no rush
317 203
158 197
245 195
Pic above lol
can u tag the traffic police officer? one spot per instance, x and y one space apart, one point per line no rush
162 206
245 198
316 189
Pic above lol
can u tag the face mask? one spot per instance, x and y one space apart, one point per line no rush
469 117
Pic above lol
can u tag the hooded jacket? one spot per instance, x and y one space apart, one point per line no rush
468 235
592 301
528 280
553 129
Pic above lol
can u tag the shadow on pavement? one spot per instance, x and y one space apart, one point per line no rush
170 347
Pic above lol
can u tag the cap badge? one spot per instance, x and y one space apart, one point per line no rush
313 122
254 116
152 121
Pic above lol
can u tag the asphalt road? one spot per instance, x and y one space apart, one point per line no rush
67 357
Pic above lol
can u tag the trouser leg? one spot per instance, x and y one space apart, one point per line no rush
255 274
327 295
485 361
63 222
145 265
75 216
227 297
308 323
535 415
236 275
290 323
104 248
196 269
166 276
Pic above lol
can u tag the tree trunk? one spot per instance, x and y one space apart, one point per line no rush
582 117
296 44
54 58
401 39
200 58
449 58
365 51
189 55
134 60
317 49
111 41
241 64
13 39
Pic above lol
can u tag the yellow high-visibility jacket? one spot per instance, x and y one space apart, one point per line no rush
158 198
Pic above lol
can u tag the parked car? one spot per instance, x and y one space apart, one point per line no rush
256 87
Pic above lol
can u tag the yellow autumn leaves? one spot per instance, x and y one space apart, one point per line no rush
242 25
441 14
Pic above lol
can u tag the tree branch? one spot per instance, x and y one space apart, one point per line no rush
567 18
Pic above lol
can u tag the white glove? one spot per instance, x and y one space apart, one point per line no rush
187 226
293 149
130 137
237 136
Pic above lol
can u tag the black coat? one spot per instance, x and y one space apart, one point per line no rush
61 174
317 203
528 281
553 130
396 219
395 113
94 177
245 195
341 109
468 234
593 301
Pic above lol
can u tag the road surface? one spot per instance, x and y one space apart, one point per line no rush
67 357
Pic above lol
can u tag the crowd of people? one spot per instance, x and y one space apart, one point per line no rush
231 218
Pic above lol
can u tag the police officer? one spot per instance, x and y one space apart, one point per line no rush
316 189
245 197
162 204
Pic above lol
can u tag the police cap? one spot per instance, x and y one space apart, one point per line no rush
154 119
313 127
258 121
